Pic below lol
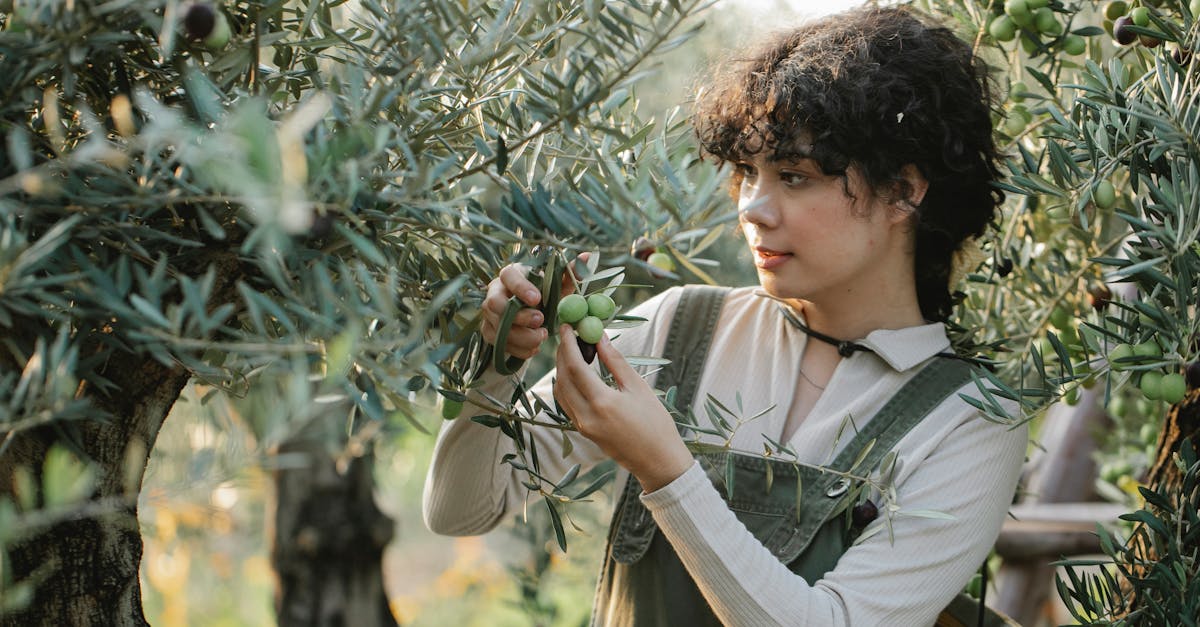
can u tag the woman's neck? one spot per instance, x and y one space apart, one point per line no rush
852 319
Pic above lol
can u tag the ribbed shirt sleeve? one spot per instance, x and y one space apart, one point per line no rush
468 491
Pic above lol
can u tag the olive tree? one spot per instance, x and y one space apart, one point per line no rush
1091 281
297 203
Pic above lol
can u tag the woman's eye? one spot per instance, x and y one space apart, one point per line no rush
745 170
792 178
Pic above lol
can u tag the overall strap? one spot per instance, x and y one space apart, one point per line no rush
688 340
908 407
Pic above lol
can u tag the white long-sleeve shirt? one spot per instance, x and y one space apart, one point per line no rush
953 462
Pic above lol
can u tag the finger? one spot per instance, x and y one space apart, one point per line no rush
570 401
513 278
525 343
572 367
496 298
529 318
623 374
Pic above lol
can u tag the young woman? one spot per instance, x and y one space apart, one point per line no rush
863 161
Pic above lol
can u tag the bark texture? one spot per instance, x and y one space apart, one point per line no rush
328 539
1182 422
86 564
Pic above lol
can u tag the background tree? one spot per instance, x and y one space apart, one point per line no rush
1093 277
300 210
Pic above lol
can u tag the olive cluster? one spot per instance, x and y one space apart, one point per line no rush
1155 384
587 316
1121 17
1033 19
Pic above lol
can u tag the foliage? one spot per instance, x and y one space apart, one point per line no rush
1159 562
312 210
1111 116
1092 279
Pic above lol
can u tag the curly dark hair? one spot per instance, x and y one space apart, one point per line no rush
877 88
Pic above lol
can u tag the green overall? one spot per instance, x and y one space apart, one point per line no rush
644 584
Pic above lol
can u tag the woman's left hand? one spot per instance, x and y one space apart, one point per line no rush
627 422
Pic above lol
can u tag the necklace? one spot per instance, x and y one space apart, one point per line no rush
811 382
845 348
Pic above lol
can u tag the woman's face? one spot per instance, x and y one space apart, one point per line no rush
809 239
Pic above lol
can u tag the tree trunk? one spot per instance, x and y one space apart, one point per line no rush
86 567
1182 422
328 538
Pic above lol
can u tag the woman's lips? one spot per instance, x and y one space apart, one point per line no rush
768 259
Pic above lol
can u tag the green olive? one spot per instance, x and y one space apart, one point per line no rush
1046 22
1115 9
1151 385
1020 13
572 308
601 306
1061 318
451 408
590 329
1148 434
1173 388
219 37
662 261
1017 91
1074 45
1104 195
1141 16
1117 354
1003 28
1149 348
1014 124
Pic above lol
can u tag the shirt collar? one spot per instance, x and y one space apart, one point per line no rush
904 348
899 348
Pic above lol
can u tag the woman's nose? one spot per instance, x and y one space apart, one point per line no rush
756 207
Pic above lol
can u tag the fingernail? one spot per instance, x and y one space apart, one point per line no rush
531 296
537 318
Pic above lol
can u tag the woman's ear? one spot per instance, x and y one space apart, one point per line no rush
914 183
917 185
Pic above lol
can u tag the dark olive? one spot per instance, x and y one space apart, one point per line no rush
1099 296
1193 375
1005 267
642 248
863 513
587 350
1121 31
199 20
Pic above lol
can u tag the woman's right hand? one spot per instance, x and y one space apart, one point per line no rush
528 330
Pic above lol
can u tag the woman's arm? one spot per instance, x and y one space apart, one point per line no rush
467 490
